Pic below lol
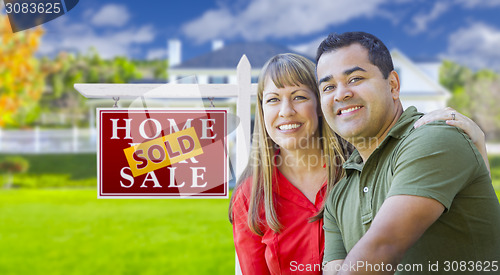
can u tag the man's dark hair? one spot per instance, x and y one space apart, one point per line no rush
378 53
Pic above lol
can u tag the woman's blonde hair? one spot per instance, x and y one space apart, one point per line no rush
284 70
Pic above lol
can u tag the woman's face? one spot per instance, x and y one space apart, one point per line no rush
290 115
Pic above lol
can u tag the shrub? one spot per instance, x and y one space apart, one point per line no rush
14 165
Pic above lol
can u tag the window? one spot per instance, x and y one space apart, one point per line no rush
186 79
218 79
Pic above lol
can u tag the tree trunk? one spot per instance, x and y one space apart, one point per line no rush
9 180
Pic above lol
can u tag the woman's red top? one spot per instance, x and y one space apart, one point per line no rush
297 249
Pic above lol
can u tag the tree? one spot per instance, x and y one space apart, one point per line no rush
483 91
21 78
81 68
12 165
153 69
475 94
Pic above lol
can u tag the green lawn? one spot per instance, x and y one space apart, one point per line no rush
495 172
69 231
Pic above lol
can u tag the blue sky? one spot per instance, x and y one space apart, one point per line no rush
465 31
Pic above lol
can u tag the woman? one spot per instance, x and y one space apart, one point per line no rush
276 209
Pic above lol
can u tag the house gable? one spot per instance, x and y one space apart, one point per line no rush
414 80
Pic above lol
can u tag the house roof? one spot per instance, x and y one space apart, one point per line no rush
424 79
229 56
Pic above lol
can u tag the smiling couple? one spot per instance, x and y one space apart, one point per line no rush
415 189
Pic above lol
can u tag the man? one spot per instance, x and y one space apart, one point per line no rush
413 200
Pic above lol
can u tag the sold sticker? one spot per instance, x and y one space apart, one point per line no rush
163 151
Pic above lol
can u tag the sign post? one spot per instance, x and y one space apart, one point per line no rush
242 91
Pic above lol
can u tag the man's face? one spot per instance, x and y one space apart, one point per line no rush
355 98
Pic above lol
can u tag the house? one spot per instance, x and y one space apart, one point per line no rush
419 80
420 83
219 65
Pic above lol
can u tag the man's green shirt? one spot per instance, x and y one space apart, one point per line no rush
436 161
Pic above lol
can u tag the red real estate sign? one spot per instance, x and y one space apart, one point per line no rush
162 153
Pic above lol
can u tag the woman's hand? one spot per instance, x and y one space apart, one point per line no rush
454 118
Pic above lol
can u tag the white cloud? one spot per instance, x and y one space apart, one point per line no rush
78 37
478 3
475 46
422 20
310 48
111 15
158 53
277 19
